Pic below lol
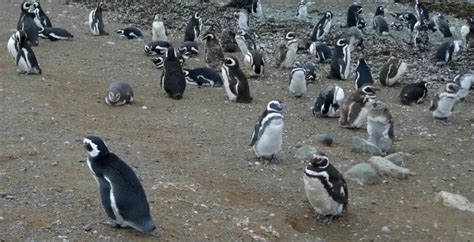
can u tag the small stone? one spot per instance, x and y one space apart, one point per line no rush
398 158
9 197
452 200
144 107
386 230
363 174
54 163
305 152
324 139
110 43
362 145
87 227
388 169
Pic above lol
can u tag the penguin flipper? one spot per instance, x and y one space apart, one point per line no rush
257 127
434 103
105 196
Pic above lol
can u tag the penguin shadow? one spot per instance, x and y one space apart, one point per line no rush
136 234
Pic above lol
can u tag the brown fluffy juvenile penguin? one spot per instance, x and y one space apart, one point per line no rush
356 106
214 55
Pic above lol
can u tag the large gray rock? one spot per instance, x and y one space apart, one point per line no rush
388 169
362 173
305 152
325 139
452 200
399 158
362 145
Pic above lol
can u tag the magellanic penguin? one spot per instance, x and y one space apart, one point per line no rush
322 28
442 24
355 108
122 194
310 71
353 15
355 37
158 47
421 11
119 93
203 76
160 61
409 20
285 52
328 101
321 51
243 20
26 59
228 41
55 34
27 24
267 135
414 92
214 55
189 49
363 74
253 59
13 44
392 71
325 188
467 33
380 127
130 33
173 81
302 12
341 61
297 83
235 82
41 19
380 25
442 105
96 22
194 28
257 9
158 29
448 51
465 81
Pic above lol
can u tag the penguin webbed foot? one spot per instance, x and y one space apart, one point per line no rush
324 219
445 121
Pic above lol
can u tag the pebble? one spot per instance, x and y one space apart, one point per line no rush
324 139
386 230
363 174
362 145
54 163
305 152
87 227
388 169
398 158
452 200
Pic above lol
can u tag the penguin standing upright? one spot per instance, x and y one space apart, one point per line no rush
302 13
421 11
158 29
442 104
380 127
253 59
243 21
235 82
355 108
392 71
286 51
119 93
355 37
414 92
193 29
465 81
467 33
41 19
448 51
257 9
321 51
297 83
380 25
173 81
353 15
96 22
410 20
267 135
328 101
26 59
322 28
341 61
13 44
122 194
27 24
442 24
325 188
214 55
363 74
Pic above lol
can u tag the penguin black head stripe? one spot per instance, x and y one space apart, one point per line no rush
197 16
369 90
208 36
275 105
290 36
230 61
95 147
451 88
319 160
341 42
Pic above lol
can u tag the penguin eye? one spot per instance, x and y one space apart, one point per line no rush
88 147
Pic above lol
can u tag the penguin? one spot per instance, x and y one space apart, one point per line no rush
421 11
355 37
325 188
235 82
130 33
248 40
286 51
41 19
119 93
465 81
448 51
54 34
302 13
380 128
13 44
353 14
380 11
257 8
253 59
442 104
414 92
189 49
203 76
361 24
355 107
26 59
173 81
310 71
267 135
397 23
380 25
121 192
322 28
341 61
96 22
27 24
329 101
442 24
160 61
158 29
467 33
321 51
409 20
420 35
363 74
228 41
214 55
158 47
193 29
297 83
392 71
243 21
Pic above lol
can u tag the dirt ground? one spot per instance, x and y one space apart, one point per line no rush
193 155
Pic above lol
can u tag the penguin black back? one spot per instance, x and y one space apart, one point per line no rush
173 80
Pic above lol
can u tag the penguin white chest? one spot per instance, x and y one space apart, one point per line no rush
12 50
225 76
345 68
23 63
271 139
317 196
93 23
159 31
298 84
445 106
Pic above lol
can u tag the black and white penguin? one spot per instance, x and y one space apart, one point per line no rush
158 29
353 15
13 44
214 55
27 24
189 49
355 108
243 20
421 11
193 29
322 28
380 25
253 59
321 51
421 39
302 12
397 23
325 188
355 37
297 82
285 52
380 127
341 61
26 59
119 93
247 44
310 71
96 22
363 74
228 41
328 101
465 81
380 11
55 33
392 71
41 19
257 9
122 194
158 47
467 33
160 61
267 135
442 104
235 82
448 51
173 81
203 76
442 24
414 92
130 33
409 20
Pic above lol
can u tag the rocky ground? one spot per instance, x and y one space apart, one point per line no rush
192 155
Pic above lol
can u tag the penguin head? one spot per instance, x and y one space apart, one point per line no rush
197 16
120 31
328 15
359 9
231 62
147 49
361 23
369 90
470 22
302 2
36 5
380 11
361 62
276 105
157 17
27 7
208 36
95 147
171 53
451 87
341 42
102 7
158 61
319 160
290 36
